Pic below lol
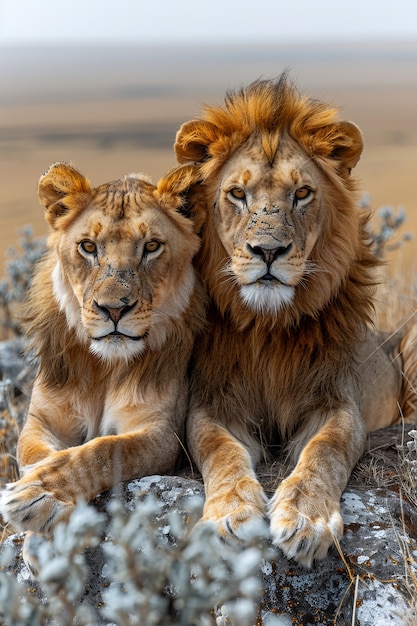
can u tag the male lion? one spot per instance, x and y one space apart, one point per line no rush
113 312
288 264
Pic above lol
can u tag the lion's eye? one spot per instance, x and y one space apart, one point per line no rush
152 246
88 246
302 193
238 193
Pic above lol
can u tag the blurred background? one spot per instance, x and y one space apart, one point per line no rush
105 85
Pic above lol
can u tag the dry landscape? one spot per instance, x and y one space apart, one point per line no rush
116 110
111 111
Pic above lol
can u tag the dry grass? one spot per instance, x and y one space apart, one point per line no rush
396 299
11 417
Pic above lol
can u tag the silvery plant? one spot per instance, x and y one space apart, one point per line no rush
156 571
19 270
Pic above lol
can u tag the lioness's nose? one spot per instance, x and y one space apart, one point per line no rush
269 255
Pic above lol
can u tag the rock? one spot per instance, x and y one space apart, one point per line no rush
370 582
371 578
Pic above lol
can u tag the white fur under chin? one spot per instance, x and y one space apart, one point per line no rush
118 348
266 298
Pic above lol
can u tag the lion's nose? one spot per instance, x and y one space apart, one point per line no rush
115 313
269 254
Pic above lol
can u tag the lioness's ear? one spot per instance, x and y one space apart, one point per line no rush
341 141
61 189
179 179
180 190
193 139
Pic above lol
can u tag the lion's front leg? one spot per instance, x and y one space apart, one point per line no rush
235 500
49 490
305 510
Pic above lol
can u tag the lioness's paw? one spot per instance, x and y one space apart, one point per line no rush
27 505
30 549
304 526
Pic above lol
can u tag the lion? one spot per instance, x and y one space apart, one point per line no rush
289 361
113 310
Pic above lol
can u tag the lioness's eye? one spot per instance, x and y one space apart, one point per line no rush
237 193
88 246
302 193
152 246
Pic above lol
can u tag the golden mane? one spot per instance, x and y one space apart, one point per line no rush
267 108
335 303
61 357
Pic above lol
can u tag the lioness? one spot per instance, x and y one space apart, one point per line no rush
112 315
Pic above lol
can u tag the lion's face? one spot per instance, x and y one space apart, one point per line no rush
268 219
282 230
123 267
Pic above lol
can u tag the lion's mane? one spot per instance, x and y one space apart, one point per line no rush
335 303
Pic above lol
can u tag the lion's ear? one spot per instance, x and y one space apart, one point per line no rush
341 141
62 189
193 140
349 146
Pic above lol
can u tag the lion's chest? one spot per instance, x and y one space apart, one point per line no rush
98 420
260 379
92 412
109 424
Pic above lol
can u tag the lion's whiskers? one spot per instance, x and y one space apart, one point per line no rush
312 267
228 276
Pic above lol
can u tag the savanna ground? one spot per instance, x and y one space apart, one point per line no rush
113 111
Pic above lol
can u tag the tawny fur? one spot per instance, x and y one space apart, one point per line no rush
290 271
106 407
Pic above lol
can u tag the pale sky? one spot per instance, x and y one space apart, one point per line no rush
204 21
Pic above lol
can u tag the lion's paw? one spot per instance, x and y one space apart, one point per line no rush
245 525
27 505
304 526
239 514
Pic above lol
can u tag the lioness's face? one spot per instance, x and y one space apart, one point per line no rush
268 218
124 271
